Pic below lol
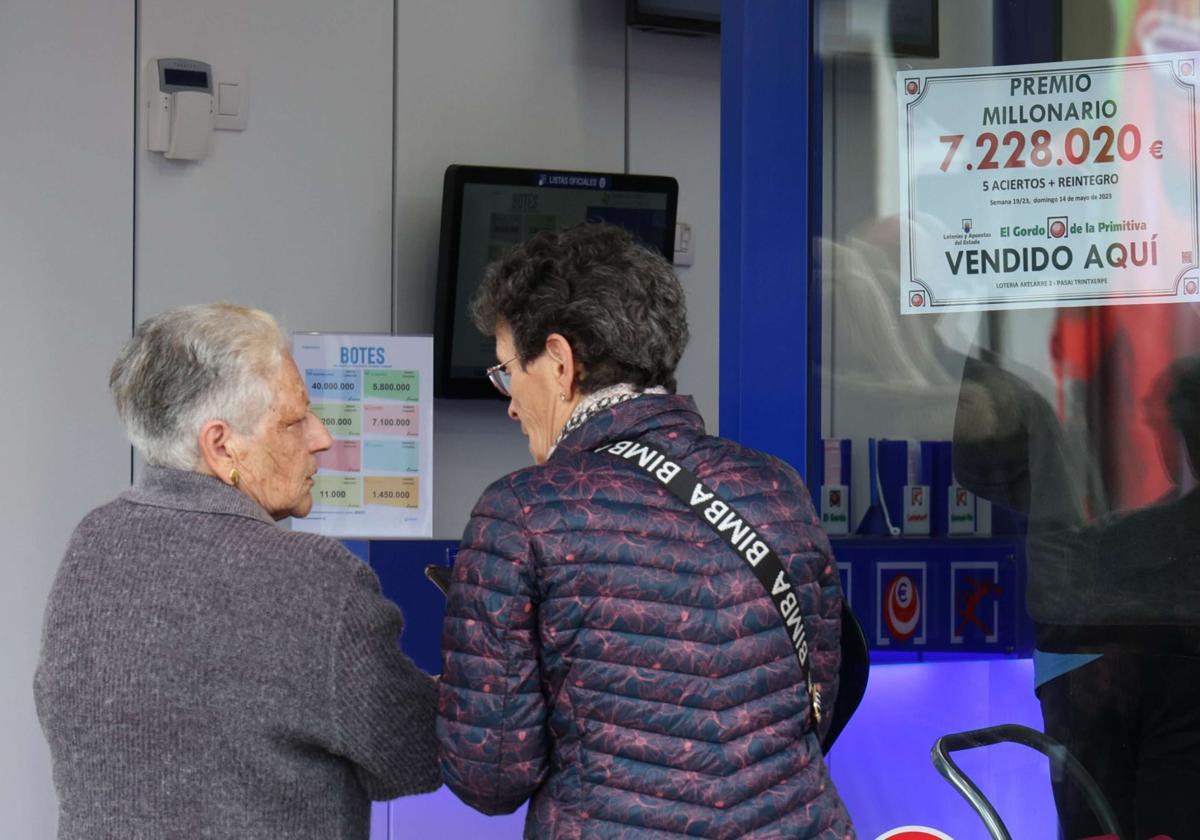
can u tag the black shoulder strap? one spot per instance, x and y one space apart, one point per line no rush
737 534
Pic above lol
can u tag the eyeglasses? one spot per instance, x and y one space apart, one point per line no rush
500 376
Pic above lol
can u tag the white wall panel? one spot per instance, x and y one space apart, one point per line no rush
537 83
675 129
293 214
66 235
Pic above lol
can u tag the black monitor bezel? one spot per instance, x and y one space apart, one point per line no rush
456 177
639 19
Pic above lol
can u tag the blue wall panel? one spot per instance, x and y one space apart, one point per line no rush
400 565
765 225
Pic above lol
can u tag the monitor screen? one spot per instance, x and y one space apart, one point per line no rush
488 210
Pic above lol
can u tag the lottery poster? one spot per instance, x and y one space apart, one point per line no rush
374 395
1047 185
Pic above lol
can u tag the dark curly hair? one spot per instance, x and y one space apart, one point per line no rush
615 300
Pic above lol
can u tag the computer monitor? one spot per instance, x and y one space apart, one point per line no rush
486 210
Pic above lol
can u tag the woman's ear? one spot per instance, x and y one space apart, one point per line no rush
218 451
566 371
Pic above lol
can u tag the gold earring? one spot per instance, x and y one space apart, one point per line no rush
234 478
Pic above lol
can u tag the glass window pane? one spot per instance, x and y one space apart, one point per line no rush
1009 382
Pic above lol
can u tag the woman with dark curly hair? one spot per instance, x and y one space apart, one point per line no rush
607 651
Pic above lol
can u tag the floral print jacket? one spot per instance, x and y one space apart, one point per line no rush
608 655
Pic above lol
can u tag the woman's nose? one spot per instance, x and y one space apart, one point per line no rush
319 439
512 410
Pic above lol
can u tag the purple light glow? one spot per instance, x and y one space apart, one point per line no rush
880 764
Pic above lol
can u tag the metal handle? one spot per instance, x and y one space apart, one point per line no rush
1059 757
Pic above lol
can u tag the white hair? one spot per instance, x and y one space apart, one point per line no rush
191 365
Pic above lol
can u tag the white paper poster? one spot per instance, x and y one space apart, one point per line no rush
1063 184
374 395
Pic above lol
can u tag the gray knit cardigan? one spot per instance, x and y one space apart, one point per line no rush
207 674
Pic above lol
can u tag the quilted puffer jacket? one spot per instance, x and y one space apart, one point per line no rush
608 655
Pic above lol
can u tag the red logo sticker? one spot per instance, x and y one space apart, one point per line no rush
902 607
914 832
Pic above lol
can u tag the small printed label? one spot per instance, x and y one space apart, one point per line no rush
333 384
397 420
916 509
391 456
961 518
392 491
835 509
398 385
337 491
340 419
342 455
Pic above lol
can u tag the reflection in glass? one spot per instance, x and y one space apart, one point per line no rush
1080 425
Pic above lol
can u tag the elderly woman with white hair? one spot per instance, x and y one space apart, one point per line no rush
205 673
